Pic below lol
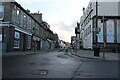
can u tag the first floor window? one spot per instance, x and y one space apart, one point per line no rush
16 40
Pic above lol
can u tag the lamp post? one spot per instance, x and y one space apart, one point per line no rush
96 46
104 42
34 38
96 18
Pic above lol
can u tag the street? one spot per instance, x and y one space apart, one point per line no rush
57 64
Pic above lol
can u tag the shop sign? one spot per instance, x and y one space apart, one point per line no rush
17 35
36 38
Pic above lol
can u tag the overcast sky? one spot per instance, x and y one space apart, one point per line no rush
62 15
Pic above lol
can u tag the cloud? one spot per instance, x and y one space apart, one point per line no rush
63 30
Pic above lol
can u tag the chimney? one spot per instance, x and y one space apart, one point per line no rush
28 11
37 16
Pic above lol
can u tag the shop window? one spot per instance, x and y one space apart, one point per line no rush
1 12
16 40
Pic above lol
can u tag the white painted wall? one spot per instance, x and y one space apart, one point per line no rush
88 42
106 8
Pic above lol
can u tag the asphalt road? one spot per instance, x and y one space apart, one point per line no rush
57 64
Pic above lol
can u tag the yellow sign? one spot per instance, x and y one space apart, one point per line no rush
104 44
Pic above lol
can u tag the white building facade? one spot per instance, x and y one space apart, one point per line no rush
109 34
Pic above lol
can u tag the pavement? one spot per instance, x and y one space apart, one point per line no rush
29 52
90 55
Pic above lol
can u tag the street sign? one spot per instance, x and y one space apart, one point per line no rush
94 29
75 39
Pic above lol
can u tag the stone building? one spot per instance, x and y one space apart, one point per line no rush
21 30
106 36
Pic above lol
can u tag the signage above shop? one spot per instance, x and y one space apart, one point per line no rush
36 38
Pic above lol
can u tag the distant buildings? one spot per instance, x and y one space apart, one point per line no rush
62 44
22 30
107 36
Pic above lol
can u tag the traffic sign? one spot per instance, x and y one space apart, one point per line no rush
96 29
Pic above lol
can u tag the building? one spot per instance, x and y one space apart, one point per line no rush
22 30
62 44
91 33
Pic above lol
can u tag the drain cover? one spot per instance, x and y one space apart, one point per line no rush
39 72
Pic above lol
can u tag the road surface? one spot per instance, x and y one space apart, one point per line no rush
57 64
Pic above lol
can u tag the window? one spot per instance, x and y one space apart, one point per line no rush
18 12
25 21
16 40
14 14
18 16
29 42
34 28
91 6
1 12
30 24
0 37
37 28
90 29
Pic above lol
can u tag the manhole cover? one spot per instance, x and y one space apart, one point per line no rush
39 72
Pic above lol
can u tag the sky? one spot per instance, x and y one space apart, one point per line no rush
61 15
